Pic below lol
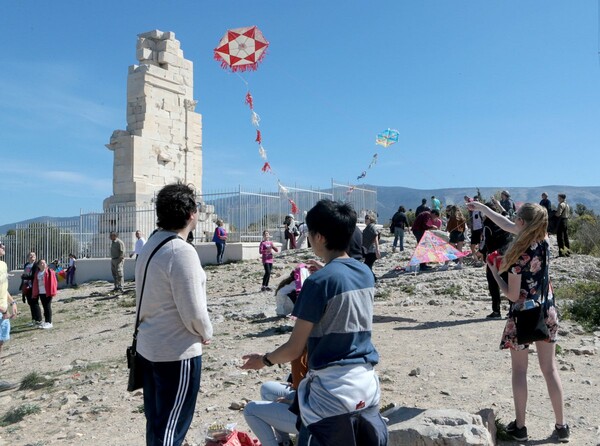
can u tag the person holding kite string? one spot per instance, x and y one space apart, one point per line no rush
526 260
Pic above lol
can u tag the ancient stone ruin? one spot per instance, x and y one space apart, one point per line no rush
163 140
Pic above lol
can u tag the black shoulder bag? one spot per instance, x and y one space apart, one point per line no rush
136 376
531 323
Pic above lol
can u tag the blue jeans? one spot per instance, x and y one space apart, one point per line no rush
170 392
220 252
399 235
271 421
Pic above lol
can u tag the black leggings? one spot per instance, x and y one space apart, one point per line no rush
267 276
34 306
47 304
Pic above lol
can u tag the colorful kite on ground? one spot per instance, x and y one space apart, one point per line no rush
432 248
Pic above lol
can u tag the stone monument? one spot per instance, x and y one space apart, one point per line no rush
163 140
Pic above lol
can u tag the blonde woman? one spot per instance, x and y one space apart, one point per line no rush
526 260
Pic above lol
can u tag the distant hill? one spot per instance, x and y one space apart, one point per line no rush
5 228
389 198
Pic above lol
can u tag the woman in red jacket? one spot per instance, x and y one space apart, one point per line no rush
45 287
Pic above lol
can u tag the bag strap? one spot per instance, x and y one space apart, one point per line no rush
137 316
546 279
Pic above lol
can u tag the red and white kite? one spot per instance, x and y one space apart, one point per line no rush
241 49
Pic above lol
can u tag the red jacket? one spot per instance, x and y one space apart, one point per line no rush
49 282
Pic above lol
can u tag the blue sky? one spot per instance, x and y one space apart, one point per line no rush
496 93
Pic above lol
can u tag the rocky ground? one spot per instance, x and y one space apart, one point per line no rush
437 351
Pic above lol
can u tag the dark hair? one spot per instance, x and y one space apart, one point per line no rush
424 200
174 204
401 209
333 220
563 196
289 279
435 212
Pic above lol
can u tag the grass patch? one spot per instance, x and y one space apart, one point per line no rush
581 303
408 289
35 381
15 415
139 409
383 295
452 290
559 349
90 366
501 433
126 303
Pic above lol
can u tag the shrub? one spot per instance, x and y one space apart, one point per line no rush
582 303
35 381
15 415
585 232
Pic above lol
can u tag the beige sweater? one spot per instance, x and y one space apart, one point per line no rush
174 318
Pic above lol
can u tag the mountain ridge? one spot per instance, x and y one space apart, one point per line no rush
390 197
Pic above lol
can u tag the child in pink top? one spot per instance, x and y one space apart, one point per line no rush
266 249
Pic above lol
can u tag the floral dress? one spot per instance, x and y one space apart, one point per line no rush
530 266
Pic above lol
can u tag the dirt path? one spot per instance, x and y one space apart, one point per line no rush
433 322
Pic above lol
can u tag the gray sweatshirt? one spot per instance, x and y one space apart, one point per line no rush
173 318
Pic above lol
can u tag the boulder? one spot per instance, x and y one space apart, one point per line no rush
447 427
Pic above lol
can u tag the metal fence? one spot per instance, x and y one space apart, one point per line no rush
246 213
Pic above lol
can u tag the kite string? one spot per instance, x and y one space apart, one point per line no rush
241 78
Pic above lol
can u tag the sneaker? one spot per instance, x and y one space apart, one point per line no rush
444 267
494 315
562 433
458 266
263 288
5 385
517 433
268 288
47 325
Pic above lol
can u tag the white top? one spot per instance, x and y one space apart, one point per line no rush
139 244
173 318
41 285
477 220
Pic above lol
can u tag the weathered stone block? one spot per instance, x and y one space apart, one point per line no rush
143 54
154 34
170 59
171 46
447 427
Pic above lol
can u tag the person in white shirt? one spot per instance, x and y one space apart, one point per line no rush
139 244
174 321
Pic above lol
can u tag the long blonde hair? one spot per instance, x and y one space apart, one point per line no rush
535 219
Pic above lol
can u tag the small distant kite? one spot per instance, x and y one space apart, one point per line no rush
387 137
241 49
295 209
266 167
362 175
373 161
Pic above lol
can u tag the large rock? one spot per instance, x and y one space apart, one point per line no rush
447 427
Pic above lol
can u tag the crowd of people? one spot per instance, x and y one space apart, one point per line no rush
332 396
